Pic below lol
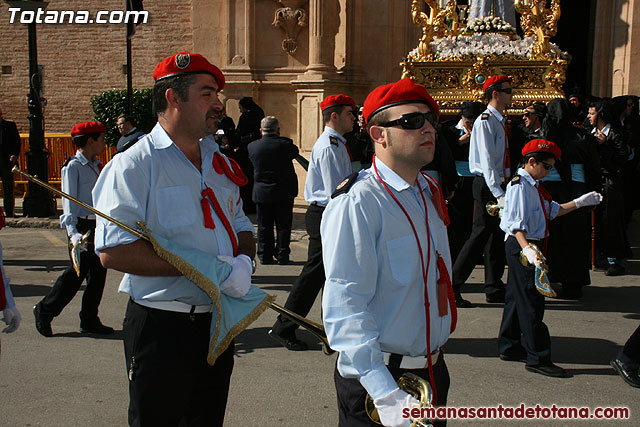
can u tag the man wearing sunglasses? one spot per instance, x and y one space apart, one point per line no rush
330 163
489 161
388 305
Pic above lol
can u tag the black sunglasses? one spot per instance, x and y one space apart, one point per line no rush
528 114
547 166
505 90
413 120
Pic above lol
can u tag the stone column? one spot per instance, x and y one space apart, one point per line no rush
323 18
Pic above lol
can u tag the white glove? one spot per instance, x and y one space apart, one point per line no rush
239 281
75 240
12 318
390 408
592 198
501 202
532 257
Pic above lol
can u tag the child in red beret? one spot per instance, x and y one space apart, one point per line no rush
79 174
528 208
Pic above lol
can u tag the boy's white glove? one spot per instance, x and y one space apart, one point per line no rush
592 198
12 318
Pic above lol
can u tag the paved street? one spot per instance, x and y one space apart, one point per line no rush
74 379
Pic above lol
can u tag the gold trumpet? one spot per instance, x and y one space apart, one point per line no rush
415 386
313 327
493 209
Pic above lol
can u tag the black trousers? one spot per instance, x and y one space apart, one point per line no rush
522 327
630 353
486 237
68 283
351 395
461 215
280 214
170 382
307 286
7 189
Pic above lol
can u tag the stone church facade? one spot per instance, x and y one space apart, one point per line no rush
287 54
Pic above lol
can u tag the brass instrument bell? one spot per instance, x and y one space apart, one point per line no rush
415 386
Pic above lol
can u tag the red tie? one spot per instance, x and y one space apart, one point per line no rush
544 195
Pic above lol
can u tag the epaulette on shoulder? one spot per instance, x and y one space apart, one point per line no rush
484 116
66 162
334 141
345 185
515 179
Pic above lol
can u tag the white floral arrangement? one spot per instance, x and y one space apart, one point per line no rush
478 44
488 24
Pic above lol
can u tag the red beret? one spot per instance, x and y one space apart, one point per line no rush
495 80
87 127
338 99
542 145
404 91
185 62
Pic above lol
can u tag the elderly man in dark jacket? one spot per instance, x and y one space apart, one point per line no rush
275 187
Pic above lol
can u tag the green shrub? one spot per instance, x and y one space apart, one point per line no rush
108 105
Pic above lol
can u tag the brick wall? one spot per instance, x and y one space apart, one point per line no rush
82 60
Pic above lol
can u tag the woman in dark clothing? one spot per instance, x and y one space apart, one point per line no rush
611 238
248 130
578 173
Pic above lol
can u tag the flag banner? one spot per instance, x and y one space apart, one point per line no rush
232 315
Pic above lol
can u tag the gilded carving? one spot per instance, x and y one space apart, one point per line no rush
291 21
537 71
536 19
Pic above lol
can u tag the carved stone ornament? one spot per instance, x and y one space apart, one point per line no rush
291 20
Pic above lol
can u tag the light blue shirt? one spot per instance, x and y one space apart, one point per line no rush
153 181
523 211
79 176
486 149
329 165
373 298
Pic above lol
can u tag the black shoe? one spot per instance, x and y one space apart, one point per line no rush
548 369
571 292
95 327
42 325
283 261
630 376
615 270
267 261
292 344
463 303
521 357
495 298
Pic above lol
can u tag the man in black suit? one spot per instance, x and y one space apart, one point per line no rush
130 133
275 187
9 152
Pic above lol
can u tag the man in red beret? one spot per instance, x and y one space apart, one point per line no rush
388 305
489 161
176 180
330 163
528 208
79 175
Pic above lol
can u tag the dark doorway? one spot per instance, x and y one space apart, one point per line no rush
576 36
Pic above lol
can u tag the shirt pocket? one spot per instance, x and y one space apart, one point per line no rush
403 256
175 206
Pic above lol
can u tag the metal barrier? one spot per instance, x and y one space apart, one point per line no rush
60 147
